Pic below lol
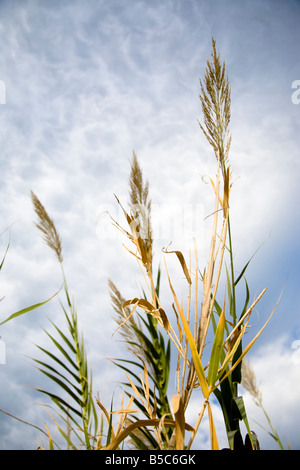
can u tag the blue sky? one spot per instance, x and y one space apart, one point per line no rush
86 83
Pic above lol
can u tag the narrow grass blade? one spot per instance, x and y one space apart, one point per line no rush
62 350
110 433
241 274
230 298
24 422
4 256
245 267
64 387
66 437
197 361
249 346
27 309
230 354
66 340
216 351
61 374
51 445
213 434
56 359
239 401
62 404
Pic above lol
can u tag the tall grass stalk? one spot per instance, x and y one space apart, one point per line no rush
249 383
68 367
222 374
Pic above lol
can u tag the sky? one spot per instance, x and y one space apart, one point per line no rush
82 86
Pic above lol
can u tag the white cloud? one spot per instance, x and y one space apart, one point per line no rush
277 372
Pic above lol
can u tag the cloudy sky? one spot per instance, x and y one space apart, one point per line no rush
82 85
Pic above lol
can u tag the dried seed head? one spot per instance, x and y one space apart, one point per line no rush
249 383
47 227
141 209
216 103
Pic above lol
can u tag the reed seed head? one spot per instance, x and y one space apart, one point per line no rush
215 98
139 198
47 227
140 212
249 383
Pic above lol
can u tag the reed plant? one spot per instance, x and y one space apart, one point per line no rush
68 367
13 316
222 374
157 333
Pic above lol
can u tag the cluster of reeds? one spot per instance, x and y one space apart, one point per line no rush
153 332
222 374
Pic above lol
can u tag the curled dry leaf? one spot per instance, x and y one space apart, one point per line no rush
182 262
158 313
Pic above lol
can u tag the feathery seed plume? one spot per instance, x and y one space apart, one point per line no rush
47 227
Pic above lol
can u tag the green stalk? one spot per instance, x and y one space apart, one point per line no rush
79 388
232 271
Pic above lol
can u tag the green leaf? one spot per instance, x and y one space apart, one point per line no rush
237 411
66 437
62 364
158 282
246 300
61 349
4 256
44 364
241 274
230 299
167 367
251 442
235 440
59 382
240 406
237 372
109 433
216 351
228 358
66 340
245 267
27 309
129 370
148 344
196 358
62 404
222 397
